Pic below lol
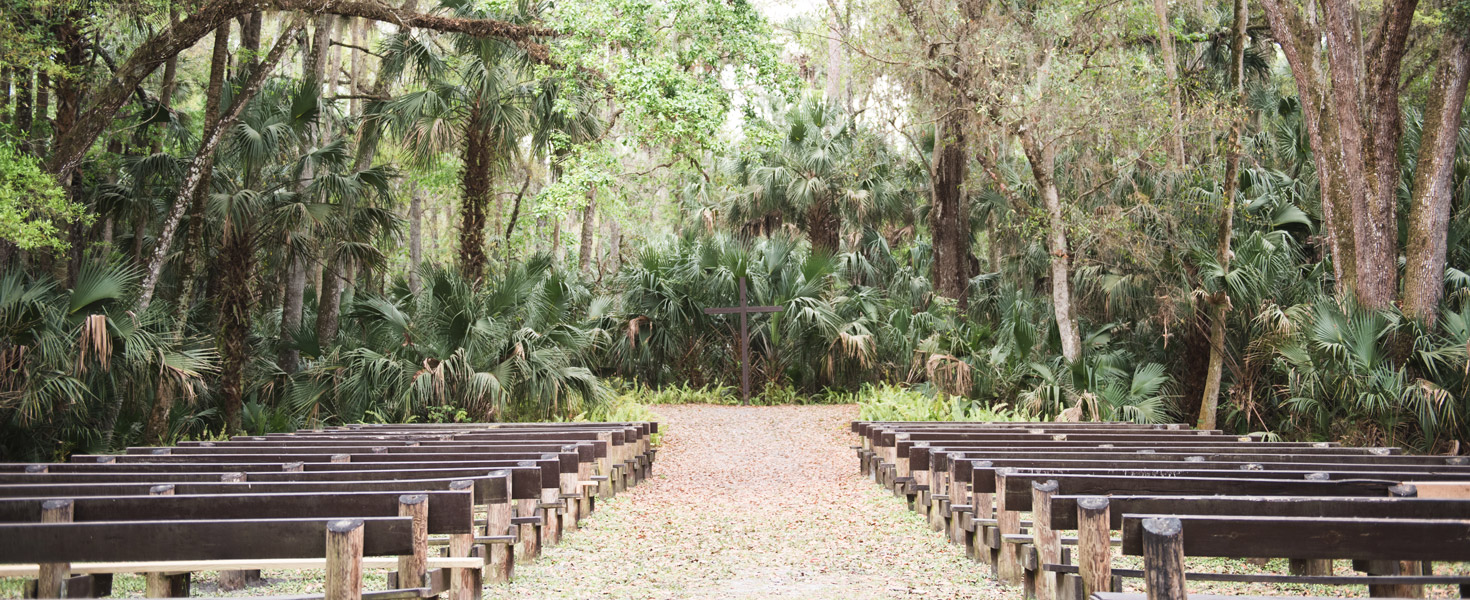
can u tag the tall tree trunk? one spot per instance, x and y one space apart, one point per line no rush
329 290
195 174
615 247
68 34
193 242
155 429
1043 168
359 66
321 43
6 74
23 104
476 182
949 214
1351 109
250 26
1376 268
558 249
834 56
293 301
1210 401
289 358
415 237
338 272
823 227
334 55
1433 193
992 242
586 249
140 229
166 90
42 108
237 258
1171 73
1299 43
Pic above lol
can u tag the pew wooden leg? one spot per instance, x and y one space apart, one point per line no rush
1313 567
505 566
1094 546
166 585
232 580
530 534
101 585
464 583
956 527
52 581
983 509
1048 545
413 569
1163 559
1069 587
1395 567
344 560
1028 578
1008 522
500 557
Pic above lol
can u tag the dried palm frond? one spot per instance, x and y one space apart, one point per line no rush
94 343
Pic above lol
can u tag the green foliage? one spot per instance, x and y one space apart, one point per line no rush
509 349
626 406
665 61
33 208
886 402
82 371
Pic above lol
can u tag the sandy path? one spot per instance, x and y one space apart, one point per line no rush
759 502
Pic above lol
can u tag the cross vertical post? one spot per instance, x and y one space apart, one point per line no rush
744 311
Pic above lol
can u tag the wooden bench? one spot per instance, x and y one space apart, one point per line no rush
1162 542
1094 517
977 481
531 481
60 548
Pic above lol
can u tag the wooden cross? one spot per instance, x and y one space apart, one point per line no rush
744 312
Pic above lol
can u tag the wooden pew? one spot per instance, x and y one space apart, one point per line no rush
339 545
533 479
1164 541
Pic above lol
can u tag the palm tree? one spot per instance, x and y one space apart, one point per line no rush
77 360
809 178
506 346
263 202
477 99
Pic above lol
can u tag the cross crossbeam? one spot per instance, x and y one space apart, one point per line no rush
744 311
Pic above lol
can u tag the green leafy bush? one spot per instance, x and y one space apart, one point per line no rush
32 206
886 402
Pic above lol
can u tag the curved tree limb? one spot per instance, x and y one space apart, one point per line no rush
168 42
207 145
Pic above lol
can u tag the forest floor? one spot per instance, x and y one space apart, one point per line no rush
754 502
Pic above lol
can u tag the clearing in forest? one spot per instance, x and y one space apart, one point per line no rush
754 502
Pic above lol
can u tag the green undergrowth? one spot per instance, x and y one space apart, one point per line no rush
624 406
771 394
887 402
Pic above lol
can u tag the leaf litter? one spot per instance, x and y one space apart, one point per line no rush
754 502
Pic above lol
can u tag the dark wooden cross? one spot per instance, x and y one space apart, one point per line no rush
744 312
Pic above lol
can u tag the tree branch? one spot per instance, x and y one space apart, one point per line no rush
207 145
177 37
356 47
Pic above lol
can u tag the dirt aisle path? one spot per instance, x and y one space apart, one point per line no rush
759 502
